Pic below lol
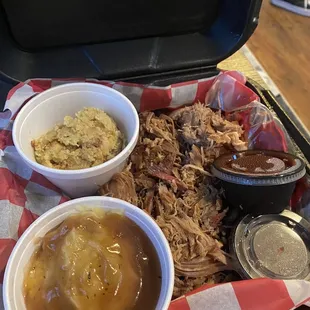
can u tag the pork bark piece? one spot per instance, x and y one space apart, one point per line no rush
199 125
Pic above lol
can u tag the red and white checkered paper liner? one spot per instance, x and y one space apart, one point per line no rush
25 194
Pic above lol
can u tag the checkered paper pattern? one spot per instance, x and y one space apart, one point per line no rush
259 294
25 194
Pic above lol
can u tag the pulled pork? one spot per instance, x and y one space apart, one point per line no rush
202 127
122 186
168 177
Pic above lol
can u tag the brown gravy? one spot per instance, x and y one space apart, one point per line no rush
94 261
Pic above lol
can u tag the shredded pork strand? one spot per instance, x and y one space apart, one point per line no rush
168 177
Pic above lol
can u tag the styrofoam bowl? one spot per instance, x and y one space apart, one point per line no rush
26 245
49 108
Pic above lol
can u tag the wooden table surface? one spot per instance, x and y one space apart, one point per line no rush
281 43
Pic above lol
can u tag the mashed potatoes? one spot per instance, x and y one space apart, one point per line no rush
89 139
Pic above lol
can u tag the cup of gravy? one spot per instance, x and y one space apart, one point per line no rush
87 253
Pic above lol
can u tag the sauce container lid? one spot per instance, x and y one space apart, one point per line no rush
227 168
274 246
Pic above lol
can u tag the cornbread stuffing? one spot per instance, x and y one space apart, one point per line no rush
89 139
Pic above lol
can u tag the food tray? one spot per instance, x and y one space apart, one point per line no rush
28 189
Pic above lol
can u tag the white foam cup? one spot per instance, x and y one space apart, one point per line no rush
26 245
49 108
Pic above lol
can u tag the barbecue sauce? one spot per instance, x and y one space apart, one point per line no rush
256 163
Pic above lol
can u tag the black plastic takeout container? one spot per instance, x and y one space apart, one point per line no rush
258 193
121 39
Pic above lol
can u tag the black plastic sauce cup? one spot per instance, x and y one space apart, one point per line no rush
254 189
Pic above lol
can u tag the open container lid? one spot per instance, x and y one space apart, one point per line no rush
121 39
